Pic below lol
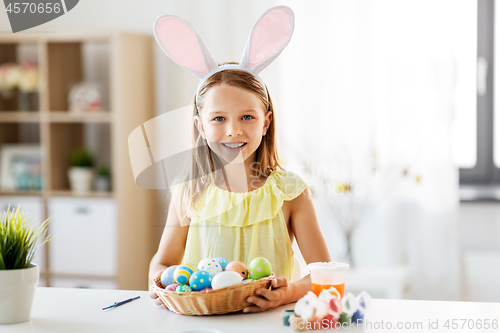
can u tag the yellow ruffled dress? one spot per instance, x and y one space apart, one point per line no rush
243 226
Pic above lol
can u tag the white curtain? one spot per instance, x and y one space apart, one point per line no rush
370 84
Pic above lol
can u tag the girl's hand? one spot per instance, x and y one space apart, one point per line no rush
153 295
267 299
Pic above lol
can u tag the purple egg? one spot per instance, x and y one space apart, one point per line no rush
172 287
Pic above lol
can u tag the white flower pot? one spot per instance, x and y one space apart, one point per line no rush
102 184
80 179
17 288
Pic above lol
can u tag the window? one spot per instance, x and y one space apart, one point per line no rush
476 135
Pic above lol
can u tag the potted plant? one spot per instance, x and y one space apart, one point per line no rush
80 174
19 242
102 181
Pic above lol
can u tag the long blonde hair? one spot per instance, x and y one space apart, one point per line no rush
204 164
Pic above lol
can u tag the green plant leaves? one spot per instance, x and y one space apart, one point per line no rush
18 239
82 158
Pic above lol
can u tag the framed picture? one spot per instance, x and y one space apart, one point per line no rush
20 167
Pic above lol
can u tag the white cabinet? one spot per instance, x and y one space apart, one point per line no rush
85 235
33 207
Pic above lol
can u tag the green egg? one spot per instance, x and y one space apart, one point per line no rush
259 267
183 288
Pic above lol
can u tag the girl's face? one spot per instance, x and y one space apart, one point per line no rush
233 121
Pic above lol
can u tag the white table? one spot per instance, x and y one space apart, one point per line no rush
79 310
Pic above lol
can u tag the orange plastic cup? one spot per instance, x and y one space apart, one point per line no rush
325 275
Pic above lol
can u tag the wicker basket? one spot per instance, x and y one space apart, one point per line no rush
230 299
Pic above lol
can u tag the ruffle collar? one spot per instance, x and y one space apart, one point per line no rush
235 209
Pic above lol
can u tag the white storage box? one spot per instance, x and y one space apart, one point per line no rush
85 236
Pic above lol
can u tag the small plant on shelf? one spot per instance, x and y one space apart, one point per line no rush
81 174
82 158
102 182
103 171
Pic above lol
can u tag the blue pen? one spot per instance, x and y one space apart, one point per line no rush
122 302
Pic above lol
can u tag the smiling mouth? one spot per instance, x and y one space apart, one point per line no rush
234 145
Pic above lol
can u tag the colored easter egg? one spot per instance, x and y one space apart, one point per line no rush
172 287
200 280
206 290
210 265
222 261
183 288
226 279
259 267
183 272
167 277
239 267
248 280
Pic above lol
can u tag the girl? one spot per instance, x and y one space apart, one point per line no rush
236 201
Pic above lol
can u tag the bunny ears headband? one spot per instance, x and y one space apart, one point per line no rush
269 36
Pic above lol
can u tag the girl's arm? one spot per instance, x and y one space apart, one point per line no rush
313 247
172 245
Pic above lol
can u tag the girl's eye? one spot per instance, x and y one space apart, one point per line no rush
219 117
247 116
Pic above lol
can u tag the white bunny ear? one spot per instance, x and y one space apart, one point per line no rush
182 44
270 35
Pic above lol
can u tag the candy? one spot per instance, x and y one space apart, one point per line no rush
259 267
238 267
183 272
167 277
200 280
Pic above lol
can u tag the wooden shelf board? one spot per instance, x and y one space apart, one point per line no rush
20 193
68 193
54 117
19 116
57 193
75 117
71 36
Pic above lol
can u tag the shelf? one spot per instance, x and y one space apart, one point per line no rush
20 193
76 117
127 91
19 116
61 193
68 193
